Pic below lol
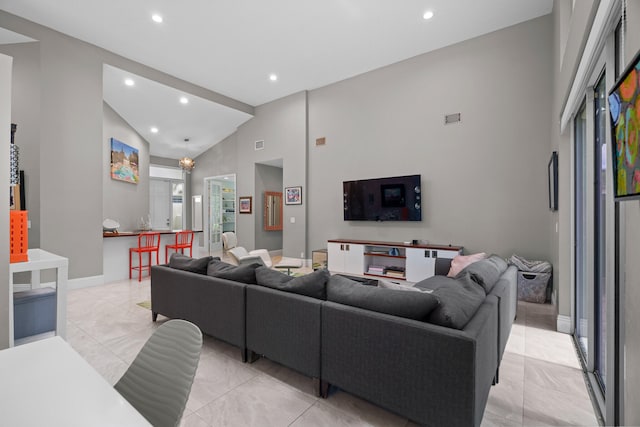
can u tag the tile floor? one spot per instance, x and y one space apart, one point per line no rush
540 379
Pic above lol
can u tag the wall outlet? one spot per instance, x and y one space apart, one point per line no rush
302 255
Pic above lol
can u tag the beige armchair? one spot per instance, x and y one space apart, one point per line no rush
240 255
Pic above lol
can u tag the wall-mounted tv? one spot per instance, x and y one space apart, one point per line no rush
624 108
396 198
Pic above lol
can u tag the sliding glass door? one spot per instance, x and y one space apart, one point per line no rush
581 262
600 235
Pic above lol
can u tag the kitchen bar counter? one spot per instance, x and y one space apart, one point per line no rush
115 252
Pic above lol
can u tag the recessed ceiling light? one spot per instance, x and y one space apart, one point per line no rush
129 82
273 77
156 18
428 14
184 100
154 130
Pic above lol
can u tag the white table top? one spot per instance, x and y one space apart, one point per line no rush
39 259
46 383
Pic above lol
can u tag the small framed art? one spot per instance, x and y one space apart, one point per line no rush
244 205
293 195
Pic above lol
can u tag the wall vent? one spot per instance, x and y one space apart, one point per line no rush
451 118
259 145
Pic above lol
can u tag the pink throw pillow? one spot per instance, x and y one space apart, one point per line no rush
460 262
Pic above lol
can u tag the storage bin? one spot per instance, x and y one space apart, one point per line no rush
34 312
532 287
18 236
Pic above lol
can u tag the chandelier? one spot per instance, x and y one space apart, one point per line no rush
186 163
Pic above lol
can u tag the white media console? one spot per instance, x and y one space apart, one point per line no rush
388 260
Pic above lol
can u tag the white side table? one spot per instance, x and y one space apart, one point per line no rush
42 260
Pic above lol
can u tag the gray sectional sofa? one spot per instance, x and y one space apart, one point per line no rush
415 352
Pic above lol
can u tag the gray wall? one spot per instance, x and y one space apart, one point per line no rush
484 179
282 126
69 139
5 123
123 201
268 178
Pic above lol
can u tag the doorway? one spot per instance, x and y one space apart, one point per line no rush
220 210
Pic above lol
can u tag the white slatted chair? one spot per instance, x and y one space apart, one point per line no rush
159 380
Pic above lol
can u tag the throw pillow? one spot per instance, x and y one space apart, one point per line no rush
390 285
411 305
460 262
312 285
486 272
459 299
186 263
242 273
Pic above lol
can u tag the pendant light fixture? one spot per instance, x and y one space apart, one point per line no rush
186 163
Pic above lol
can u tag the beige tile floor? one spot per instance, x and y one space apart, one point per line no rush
540 382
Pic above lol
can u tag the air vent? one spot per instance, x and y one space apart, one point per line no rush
451 118
259 145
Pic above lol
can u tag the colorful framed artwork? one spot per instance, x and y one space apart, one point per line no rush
244 204
124 162
293 195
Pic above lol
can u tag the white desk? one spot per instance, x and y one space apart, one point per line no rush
46 383
42 260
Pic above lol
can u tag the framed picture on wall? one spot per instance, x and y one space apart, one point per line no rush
293 195
124 162
244 204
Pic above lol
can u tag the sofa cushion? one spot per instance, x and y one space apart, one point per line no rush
312 285
243 273
460 262
412 305
459 299
390 285
487 272
194 265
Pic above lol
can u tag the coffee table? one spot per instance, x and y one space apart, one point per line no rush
289 263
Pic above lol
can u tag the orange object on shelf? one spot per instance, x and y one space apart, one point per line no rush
18 236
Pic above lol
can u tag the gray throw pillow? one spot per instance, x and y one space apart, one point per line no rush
390 285
486 272
186 263
459 298
312 285
266 276
411 305
243 273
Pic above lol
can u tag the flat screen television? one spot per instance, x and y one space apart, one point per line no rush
624 108
397 198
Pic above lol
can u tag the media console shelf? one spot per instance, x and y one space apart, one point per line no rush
389 260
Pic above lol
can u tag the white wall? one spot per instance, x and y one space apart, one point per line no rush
5 123
123 201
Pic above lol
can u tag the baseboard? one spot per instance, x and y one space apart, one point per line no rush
563 324
85 282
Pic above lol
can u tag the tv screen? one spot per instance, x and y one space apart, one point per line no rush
383 199
624 108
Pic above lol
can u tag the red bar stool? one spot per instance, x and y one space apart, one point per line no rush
184 240
147 243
